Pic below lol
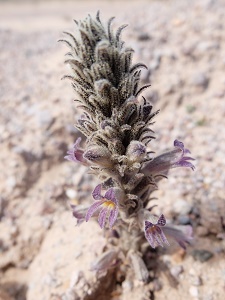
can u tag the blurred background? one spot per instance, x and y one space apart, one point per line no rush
42 254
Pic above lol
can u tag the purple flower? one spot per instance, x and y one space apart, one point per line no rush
177 157
79 213
154 233
76 153
108 204
181 234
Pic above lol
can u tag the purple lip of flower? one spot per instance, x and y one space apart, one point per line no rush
168 160
79 213
154 233
181 234
76 153
184 160
108 204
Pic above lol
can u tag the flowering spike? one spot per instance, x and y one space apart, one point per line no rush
117 125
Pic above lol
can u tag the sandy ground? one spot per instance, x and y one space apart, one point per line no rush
43 255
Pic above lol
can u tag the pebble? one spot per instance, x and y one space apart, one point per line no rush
157 285
145 76
71 194
184 220
202 231
182 207
154 65
75 278
207 45
11 182
176 271
144 36
152 96
202 255
45 118
193 291
127 285
195 280
200 80
188 50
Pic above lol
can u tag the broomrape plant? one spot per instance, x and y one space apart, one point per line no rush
117 124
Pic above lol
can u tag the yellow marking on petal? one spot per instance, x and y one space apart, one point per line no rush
154 229
109 204
74 201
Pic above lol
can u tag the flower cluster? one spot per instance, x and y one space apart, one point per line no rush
117 124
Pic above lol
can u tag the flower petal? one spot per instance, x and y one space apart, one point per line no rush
92 209
96 194
171 159
184 163
110 195
157 236
154 234
113 216
163 237
181 234
178 144
76 154
161 221
150 239
102 217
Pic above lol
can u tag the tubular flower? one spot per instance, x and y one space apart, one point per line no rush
79 213
154 233
168 160
76 153
108 204
181 234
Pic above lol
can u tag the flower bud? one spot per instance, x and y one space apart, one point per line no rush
136 151
98 155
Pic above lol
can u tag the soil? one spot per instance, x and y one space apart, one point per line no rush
43 255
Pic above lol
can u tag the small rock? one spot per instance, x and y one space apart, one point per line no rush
193 291
157 286
45 118
207 297
127 285
200 80
176 271
152 96
71 194
4 295
202 255
144 36
207 45
169 89
11 182
188 50
182 207
154 65
184 220
145 76
195 280
202 231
